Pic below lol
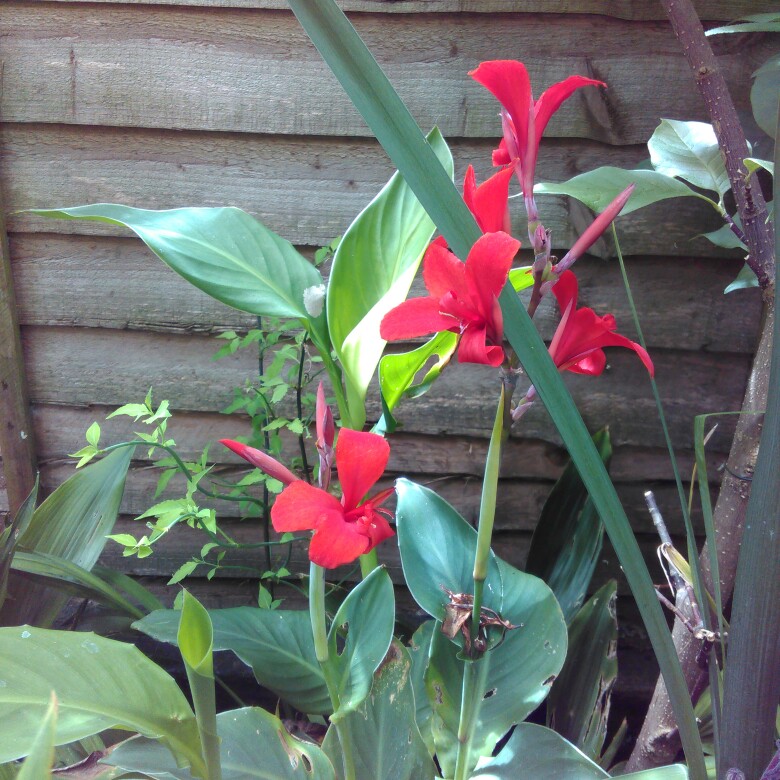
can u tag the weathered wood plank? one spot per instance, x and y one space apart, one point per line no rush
184 69
60 430
86 271
88 366
307 190
621 9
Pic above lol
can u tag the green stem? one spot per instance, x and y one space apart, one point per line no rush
320 634
474 676
368 563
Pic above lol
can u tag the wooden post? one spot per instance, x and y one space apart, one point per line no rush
17 446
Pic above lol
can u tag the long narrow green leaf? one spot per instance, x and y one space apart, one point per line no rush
752 680
394 127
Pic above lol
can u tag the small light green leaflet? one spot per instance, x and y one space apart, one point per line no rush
368 614
387 743
372 272
437 551
753 164
521 278
598 188
41 759
276 644
746 279
537 647
578 706
196 643
768 22
254 744
72 523
397 371
419 650
764 95
225 252
99 683
690 151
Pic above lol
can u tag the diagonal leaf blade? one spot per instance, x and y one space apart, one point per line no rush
389 119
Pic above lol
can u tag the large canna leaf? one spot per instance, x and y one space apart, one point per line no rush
372 272
395 128
99 684
276 644
72 524
225 252
567 539
386 741
41 759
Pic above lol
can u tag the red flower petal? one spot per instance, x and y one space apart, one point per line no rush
489 203
301 507
361 459
443 272
508 81
337 542
593 364
566 289
487 267
473 348
550 100
261 460
413 318
501 155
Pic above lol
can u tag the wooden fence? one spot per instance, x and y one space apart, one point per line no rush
159 104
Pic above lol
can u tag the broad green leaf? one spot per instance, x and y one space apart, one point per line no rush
41 759
419 651
10 538
724 237
437 551
578 706
598 188
768 22
745 279
568 537
255 744
395 128
754 164
99 683
276 644
372 272
225 252
537 752
690 151
196 643
398 371
368 616
386 741
764 95
537 647
72 524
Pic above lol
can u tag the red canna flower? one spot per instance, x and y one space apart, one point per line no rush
346 529
463 299
489 202
577 345
523 119
261 460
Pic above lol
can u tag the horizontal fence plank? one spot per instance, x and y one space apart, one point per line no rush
307 190
258 73
66 281
60 430
89 366
621 9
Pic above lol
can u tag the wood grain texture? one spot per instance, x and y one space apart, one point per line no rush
307 190
229 70
85 271
621 9
87 366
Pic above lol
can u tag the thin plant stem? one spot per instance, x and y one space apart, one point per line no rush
299 409
474 677
267 443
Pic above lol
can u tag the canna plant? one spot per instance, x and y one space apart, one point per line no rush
452 703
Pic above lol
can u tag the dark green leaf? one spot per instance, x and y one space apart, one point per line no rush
764 95
567 539
10 537
277 644
419 651
745 279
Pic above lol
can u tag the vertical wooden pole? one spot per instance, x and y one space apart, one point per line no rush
17 445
